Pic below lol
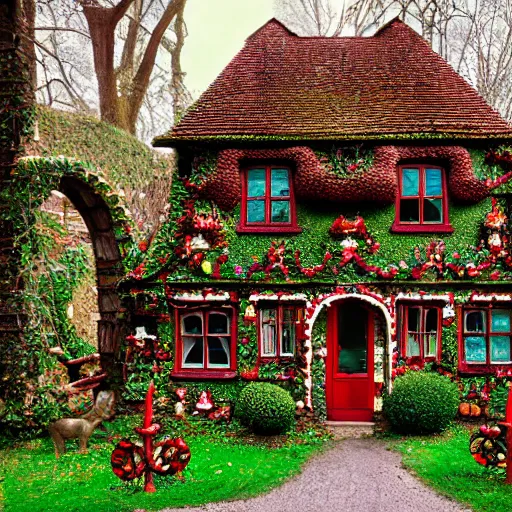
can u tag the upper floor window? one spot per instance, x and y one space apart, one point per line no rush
420 331
486 335
267 200
205 341
277 330
422 203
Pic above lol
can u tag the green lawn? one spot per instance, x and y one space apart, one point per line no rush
225 465
444 463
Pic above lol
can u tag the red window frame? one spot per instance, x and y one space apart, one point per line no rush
404 329
422 227
268 226
479 368
280 308
205 373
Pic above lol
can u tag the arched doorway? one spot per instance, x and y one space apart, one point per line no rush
99 221
350 361
356 349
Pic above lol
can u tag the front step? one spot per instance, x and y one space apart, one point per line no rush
351 429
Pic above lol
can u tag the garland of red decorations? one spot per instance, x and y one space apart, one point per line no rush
311 271
379 183
275 259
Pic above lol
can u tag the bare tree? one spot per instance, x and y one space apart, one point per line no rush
126 37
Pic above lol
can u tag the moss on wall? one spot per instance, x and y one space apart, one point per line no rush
316 219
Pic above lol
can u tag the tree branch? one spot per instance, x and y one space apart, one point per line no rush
64 29
141 79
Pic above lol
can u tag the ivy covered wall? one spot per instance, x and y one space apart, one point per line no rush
344 247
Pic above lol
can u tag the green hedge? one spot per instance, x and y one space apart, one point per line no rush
421 402
265 408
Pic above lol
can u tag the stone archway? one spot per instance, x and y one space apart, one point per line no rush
325 302
98 219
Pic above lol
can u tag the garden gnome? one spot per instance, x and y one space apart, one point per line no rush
179 407
82 428
205 402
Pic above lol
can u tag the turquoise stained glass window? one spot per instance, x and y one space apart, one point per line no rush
256 183
433 182
421 195
268 199
500 349
500 320
280 211
410 182
475 349
280 183
487 336
255 211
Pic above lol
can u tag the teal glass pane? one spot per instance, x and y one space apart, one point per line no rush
500 349
432 210
500 320
410 182
280 211
256 182
255 211
433 182
280 183
475 349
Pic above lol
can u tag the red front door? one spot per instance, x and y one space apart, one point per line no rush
349 386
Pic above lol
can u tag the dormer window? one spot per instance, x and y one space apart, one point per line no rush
268 204
422 203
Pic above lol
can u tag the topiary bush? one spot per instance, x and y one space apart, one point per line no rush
265 408
421 403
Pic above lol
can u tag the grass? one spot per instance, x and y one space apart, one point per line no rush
444 463
225 465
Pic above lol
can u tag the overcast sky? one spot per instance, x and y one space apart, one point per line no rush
217 30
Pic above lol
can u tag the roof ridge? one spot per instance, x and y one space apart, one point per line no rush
270 22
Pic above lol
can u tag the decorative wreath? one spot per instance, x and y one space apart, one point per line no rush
170 457
127 460
488 446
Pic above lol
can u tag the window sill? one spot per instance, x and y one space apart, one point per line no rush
468 369
421 228
204 374
285 230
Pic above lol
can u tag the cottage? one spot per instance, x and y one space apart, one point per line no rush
340 216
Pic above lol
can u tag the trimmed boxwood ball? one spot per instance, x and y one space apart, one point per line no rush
421 403
265 408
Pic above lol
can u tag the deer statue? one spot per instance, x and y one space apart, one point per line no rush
82 428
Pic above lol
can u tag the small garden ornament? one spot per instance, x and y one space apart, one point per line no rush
179 406
489 445
82 428
167 457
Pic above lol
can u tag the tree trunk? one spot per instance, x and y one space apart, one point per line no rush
102 26
141 80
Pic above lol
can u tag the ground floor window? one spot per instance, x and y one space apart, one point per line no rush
205 340
420 331
277 330
486 336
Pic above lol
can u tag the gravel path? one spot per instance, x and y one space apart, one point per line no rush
357 475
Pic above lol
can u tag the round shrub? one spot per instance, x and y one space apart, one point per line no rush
421 403
265 408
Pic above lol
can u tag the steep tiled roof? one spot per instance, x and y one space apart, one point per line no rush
391 85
